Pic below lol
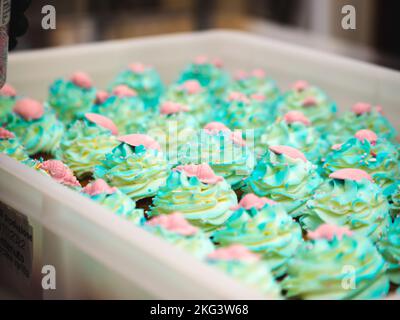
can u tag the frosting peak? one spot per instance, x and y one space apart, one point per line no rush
138 139
124 91
296 116
98 186
8 91
351 174
102 121
202 171
170 107
368 135
81 79
235 252
29 109
60 172
174 222
288 151
250 200
5 134
329 231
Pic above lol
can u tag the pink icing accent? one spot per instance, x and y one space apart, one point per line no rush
170 107
137 67
29 109
361 108
241 75
288 151
218 62
101 96
60 172
235 252
98 187
202 171
300 85
310 102
238 96
8 91
192 86
258 97
201 59
329 231
379 109
102 121
138 139
236 137
81 79
337 146
258 73
252 201
351 174
215 127
124 91
296 116
174 222
5 134
367 135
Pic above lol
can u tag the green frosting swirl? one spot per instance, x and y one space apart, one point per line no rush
6 106
395 200
269 231
257 85
350 268
205 205
359 205
138 172
13 149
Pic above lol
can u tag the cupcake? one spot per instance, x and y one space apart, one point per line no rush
284 175
73 97
87 142
115 200
349 198
247 268
264 227
59 172
389 247
368 152
10 146
311 101
203 198
125 108
137 166
7 100
144 80
225 151
36 126
336 264
178 231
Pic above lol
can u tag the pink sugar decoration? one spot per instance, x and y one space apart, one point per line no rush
238 96
202 59
296 116
8 91
192 86
138 139
240 75
368 135
236 137
29 109
81 79
379 109
218 62
258 73
102 121
98 186
202 171
124 91
351 174
258 97
329 231
235 252
174 222
60 172
310 102
337 146
288 151
137 67
250 200
361 108
215 127
5 134
170 107
300 85
101 96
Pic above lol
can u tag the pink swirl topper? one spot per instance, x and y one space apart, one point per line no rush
124 91
98 186
138 139
368 135
235 252
60 172
258 73
215 127
29 109
191 87
238 96
170 107
337 146
258 97
202 59
137 67
296 116
81 79
288 151
174 222
101 96
301 85
361 108
351 174
8 91
202 171
250 200
329 231
310 102
5 134
102 121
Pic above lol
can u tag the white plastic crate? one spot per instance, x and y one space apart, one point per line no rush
99 255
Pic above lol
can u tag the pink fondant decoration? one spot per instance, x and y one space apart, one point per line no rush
124 91
215 127
258 97
8 91
329 231
252 201
218 62
5 134
202 171
174 222
379 109
240 75
351 174
310 102
235 252
337 146
170 107
202 59
288 151
236 137
296 116
102 121
60 172
361 108
192 86
258 73
29 109
300 85
101 96
238 96
81 79
138 139
137 67
368 135
98 186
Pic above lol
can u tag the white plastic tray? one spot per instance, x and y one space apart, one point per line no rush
99 255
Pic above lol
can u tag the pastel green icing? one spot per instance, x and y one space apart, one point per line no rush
257 85
13 148
269 231
138 172
395 200
350 268
359 205
6 106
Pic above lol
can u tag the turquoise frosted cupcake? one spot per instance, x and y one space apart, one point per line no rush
204 198
389 247
8 97
246 267
284 175
368 152
311 101
336 264
264 227
137 166
72 98
176 230
113 199
57 171
36 126
125 109
225 151
10 146
349 198
87 142
144 80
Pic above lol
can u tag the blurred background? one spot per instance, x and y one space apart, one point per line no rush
313 23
